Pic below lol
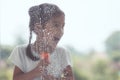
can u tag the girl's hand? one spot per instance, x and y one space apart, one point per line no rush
49 77
67 73
45 58
38 70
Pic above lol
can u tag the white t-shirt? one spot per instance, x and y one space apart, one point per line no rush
59 59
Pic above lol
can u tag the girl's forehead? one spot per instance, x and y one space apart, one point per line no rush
60 19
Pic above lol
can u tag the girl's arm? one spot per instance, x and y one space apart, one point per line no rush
18 74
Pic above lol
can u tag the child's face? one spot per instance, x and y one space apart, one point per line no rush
52 32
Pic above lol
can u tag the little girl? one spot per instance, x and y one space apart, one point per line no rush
43 59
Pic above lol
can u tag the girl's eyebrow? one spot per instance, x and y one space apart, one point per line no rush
58 22
55 21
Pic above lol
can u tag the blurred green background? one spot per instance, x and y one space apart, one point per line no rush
93 65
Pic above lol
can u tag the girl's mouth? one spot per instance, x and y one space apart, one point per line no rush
56 39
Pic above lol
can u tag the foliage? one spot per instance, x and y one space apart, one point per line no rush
20 40
5 74
113 42
115 56
113 46
102 71
5 51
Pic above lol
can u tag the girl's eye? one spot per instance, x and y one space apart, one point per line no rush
56 25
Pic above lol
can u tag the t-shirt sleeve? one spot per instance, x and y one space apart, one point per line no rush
65 58
16 58
68 57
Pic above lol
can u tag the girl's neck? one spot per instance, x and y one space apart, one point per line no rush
36 47
39 46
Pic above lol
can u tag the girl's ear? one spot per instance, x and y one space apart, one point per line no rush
37 28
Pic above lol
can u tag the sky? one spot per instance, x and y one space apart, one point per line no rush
88 23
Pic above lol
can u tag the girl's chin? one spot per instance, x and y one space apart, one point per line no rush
50 49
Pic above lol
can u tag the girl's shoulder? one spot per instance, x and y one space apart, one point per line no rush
62 51
20 49
22 46
61 48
